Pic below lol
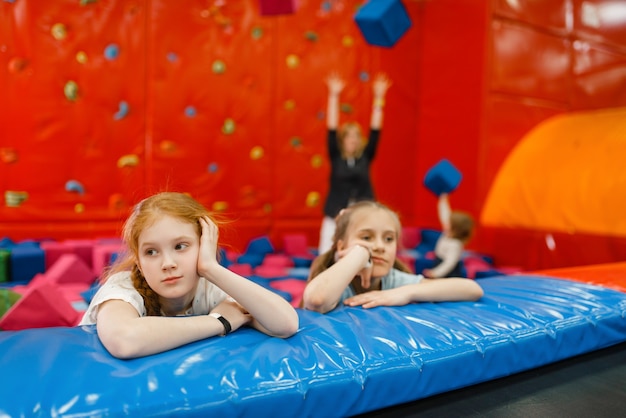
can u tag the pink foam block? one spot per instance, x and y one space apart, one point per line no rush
43 305
475 264
411 236
294 287
296 245
277 260
241 269
103 254
54 250
270 272
70 269
278 7
82 248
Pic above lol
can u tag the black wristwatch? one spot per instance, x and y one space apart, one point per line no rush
224 321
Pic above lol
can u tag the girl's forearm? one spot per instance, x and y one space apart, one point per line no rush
148 335
323 292
445 290
271 310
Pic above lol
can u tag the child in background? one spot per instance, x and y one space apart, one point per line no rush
170 290
457 230
361 268
350 154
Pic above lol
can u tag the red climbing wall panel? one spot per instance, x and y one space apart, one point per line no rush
108 101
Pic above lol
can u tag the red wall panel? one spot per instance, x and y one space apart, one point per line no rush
529 63
601 21
470 78
598 75
553 15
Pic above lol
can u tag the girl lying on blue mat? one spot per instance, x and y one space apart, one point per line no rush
361 268
171 270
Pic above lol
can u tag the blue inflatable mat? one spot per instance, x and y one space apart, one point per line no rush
344 363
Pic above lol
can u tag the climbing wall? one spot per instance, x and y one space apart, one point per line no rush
108 101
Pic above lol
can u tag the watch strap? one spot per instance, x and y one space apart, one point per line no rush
224 321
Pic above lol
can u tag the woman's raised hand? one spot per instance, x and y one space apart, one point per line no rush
335 83
381 84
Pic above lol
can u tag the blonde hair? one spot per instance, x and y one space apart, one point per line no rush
461 226
177 205
343 221
343 132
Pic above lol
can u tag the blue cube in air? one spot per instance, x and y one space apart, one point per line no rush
443 177
382 22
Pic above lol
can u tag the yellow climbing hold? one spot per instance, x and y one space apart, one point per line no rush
71 90
256 153
312 199
129 160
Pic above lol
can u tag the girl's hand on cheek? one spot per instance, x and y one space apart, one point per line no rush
207 255
365 273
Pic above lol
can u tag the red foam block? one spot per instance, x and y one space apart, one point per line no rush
42 306
296 245
103 254
70 268
277 260
294 287
54 250
278 7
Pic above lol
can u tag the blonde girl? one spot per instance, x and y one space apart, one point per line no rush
362 269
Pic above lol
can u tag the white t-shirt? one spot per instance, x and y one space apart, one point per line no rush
120 286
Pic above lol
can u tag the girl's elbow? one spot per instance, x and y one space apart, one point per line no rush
315 304
120 344
291 327
477 292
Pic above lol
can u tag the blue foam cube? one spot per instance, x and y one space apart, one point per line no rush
443 177
382 22
27 260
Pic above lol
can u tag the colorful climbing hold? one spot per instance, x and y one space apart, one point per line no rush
190 111
312 199
111 52
256 153
292 61
17 65
218 67
220 206
316 161
122 110
8 155
81 57
14 199
74 186
256 33
58 31
347 41
296 142
290 104
71 90
129 160
228 127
